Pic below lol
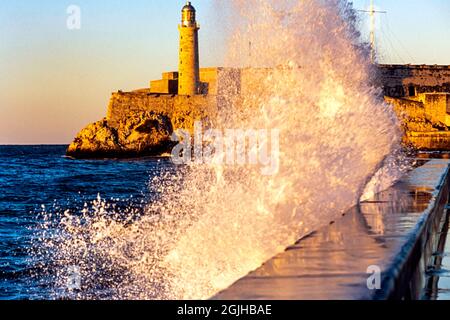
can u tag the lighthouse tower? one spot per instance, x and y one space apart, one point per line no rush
189 66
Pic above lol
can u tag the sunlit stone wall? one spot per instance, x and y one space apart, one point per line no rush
411 80
182 110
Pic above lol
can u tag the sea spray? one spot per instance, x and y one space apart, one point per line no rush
307 76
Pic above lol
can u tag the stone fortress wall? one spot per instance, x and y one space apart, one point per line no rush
217 81
420 95
409 80
398 81
423 92
419 90
181 110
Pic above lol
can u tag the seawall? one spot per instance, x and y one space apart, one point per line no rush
397 233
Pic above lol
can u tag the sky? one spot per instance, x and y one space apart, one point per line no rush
54 81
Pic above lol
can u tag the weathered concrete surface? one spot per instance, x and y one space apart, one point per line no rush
395 231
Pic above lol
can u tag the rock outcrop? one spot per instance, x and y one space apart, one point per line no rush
140 134
139 124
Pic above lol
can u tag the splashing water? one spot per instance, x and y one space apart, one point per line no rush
212 225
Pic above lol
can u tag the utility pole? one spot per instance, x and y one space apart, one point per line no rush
372 32
373 43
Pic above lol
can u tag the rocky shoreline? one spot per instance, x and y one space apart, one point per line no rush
140 135
140 124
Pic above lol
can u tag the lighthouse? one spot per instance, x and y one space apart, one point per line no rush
189 66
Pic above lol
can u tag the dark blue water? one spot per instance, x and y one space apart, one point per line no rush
37 177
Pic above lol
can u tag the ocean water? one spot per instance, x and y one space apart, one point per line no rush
38 178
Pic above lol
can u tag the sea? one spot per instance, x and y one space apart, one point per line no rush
40 179
34 179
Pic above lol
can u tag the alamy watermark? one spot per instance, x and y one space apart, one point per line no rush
232 147
374 280
73 21
73 278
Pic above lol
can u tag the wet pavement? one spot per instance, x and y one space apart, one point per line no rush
333 263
